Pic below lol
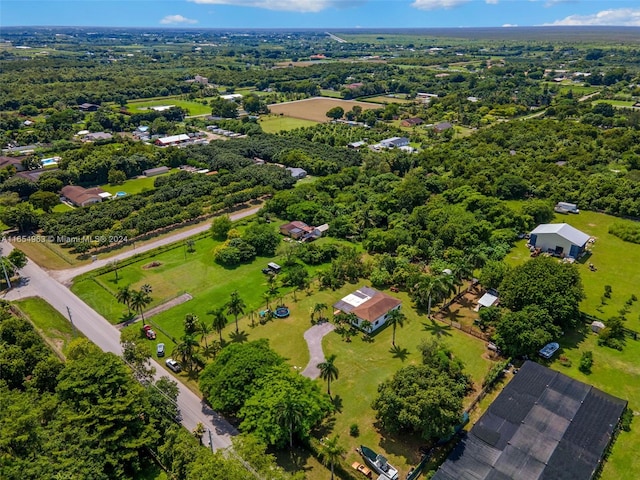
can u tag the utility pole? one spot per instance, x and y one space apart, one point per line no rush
71 320
4 269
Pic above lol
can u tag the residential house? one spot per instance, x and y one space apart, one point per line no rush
297 172
15 162
81 197
394 142
411 122
89 107
296 229
97 136
559 239
368 305
442 126
320 230
357 145
201 80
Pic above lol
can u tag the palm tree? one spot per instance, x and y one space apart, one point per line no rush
395 318
139 300
146 288
190 323
235 306
185 351
331 452
319 308
447 286
203 329
219 320
124 296
289 416
329 371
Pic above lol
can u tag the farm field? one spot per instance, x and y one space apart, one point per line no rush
315 108
279 123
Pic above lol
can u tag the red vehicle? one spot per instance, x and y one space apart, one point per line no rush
148 331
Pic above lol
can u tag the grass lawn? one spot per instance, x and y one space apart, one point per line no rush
134 185
330 93
194 107
617 103
55 329
61 208
278 123
617 263
384 99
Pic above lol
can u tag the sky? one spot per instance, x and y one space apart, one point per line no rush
318 13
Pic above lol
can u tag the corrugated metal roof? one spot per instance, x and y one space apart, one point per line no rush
565 230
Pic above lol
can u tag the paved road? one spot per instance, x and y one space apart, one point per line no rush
39 282
67 275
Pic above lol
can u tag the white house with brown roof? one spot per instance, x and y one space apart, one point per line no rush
81 197
369 305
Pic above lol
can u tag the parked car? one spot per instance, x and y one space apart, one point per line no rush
160 349
148 331
173 365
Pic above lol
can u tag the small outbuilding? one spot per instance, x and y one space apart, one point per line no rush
394 142
487 300
297 172
560 239
596 326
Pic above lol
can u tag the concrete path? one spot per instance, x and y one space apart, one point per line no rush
313 337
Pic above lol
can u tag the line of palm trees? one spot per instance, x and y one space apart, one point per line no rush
136 300
430 288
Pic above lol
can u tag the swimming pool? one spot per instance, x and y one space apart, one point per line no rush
49 161
120 194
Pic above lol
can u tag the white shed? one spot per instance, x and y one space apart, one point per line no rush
596 326
559 239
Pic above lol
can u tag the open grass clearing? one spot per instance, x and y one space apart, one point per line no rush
56 329
617 103
134 185
315 108
384 99
330 93
194 107
616 261
280 123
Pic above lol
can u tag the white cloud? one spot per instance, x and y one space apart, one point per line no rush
620 17
509 25
492 2
284 5
437 4
177 20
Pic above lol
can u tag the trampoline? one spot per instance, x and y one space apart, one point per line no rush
281 312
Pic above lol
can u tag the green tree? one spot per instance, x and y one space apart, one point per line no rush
329 371
44 200
235 307
544 282
421 400
224 108
318 308
203 329
219 320
185 352
220 226
136 353
139 301
493 273
22 216
124 295
395 318
335 113
285 405
331 451
116 177
231 378
263 238
525 332
190 323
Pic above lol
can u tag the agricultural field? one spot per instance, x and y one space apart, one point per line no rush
133 185
330 93
280 123
315 108
618 103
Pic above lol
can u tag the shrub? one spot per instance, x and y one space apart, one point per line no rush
586 362
354 430
628 232
564 361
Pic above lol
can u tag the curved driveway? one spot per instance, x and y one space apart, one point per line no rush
313 337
